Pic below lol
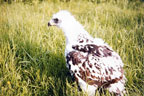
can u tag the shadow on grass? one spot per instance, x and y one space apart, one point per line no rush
43 71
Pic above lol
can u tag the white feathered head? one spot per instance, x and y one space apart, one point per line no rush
61 19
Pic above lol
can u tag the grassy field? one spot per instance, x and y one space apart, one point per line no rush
32 61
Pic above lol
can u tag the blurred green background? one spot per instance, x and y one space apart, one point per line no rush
32 61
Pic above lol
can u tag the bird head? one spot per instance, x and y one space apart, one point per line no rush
61 19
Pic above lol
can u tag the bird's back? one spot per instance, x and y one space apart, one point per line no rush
95 63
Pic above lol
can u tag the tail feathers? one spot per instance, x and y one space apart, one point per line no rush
117 88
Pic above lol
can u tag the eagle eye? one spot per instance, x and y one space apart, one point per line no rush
56 20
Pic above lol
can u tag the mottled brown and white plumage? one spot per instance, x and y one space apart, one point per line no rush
91 61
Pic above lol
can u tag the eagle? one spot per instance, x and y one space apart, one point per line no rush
91 61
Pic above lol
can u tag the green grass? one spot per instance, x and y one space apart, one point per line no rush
32 58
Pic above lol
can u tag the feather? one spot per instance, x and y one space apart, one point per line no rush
92 62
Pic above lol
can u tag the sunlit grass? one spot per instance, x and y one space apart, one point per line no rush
32 58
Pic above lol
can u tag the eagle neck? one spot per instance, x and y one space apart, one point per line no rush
72 34
72 30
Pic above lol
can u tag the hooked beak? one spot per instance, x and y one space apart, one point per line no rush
49 24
